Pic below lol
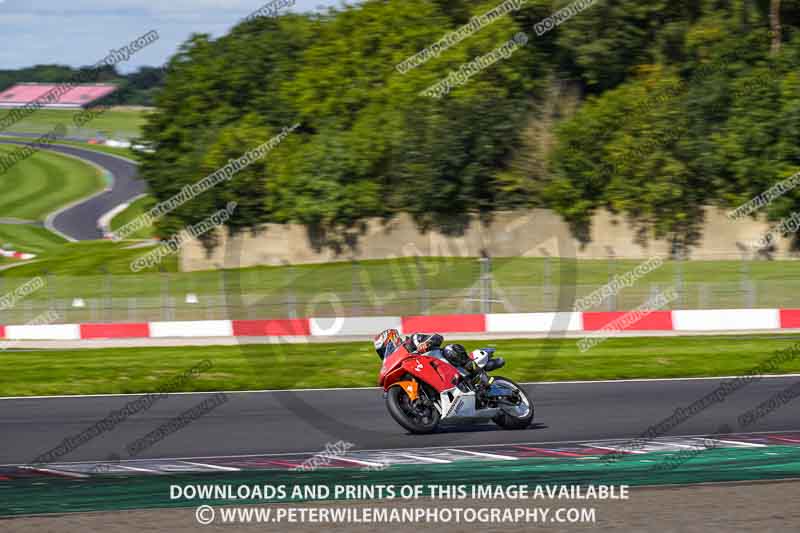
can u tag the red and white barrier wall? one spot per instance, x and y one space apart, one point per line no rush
13 254
723 320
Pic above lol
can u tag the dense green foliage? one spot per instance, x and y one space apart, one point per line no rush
652 110
710 119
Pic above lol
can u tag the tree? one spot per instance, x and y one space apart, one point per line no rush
370 144
775 24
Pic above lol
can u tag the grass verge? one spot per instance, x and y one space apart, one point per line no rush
113 122
42 183
28 238
85 262
133 211
123 152
132 370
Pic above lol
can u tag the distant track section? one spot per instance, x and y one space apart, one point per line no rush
78 222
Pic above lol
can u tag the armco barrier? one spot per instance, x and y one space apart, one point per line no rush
368 325
722 320
445 323
62 332
533 322
790 318
271 328
654 321
115 331
726 319
197 328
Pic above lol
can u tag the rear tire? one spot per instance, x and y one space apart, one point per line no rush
507 420
405 414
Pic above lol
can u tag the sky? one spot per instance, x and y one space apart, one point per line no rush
82 32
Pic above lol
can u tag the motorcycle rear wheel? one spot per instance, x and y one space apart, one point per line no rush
415 420
520 419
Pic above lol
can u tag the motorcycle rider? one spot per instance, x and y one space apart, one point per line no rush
426 344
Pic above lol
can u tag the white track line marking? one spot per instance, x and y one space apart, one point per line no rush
739 443
214 467
423 458
376 389
786 439
677 444
550 453
359 462
266 456
620 449
55 472
137 469
484 454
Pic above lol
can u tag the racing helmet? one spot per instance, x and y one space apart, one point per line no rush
456 354
386 342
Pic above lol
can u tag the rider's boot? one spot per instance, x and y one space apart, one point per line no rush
494 363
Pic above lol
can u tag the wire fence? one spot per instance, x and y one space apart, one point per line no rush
409 288
72 131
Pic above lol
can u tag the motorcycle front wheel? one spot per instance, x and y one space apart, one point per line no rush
517 410
416 418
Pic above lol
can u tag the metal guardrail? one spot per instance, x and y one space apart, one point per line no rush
290 293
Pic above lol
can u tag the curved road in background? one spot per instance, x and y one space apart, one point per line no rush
79 221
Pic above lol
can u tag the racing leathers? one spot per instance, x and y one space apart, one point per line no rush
431 345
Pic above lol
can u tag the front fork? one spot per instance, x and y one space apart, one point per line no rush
416 393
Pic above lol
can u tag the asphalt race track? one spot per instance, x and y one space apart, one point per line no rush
304 421
79 221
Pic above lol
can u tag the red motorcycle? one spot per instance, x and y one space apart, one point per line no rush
421 391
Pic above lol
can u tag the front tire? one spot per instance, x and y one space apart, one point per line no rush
415 419
518 417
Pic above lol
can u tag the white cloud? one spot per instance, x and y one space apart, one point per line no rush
79 32
207 7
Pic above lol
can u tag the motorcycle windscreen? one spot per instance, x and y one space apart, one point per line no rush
393 360
391 347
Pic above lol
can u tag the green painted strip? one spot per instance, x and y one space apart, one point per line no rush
106 493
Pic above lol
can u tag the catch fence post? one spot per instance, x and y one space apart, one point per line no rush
355 289
653 291
51 300
679 285
703 296
548 289
221 289
108 298
424 297
486 284
291 297
611 303
164 293
747 284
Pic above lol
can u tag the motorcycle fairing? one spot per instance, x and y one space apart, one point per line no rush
437 373
410 386
457 403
